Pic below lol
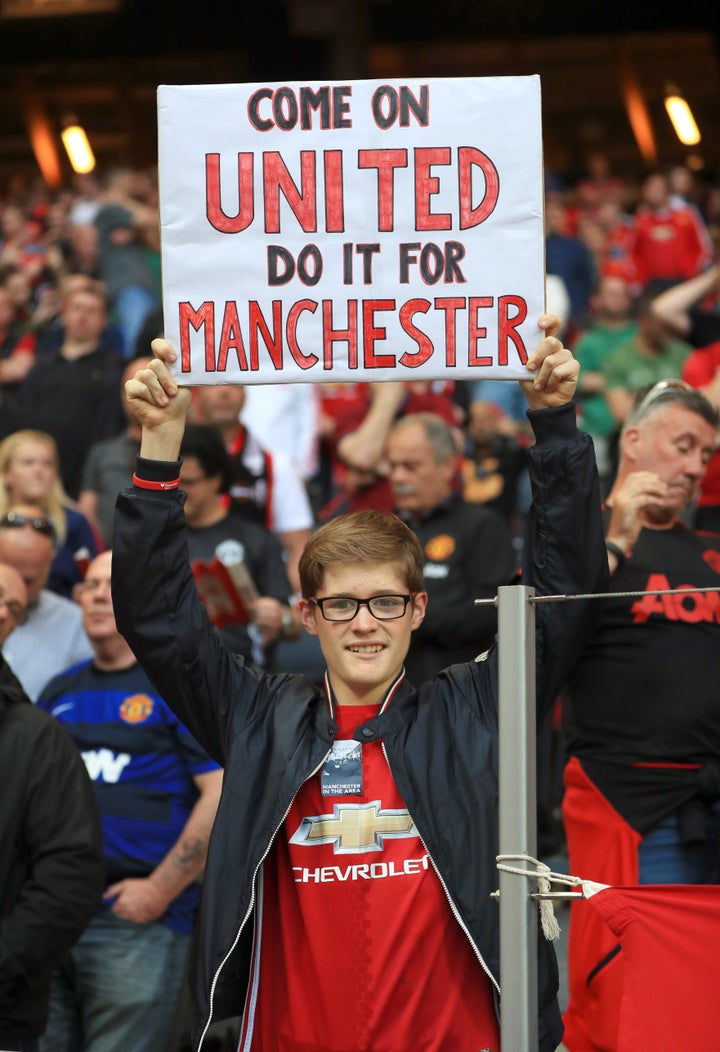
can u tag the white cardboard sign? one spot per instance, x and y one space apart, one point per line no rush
352 231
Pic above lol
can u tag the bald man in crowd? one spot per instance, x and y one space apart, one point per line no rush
52 636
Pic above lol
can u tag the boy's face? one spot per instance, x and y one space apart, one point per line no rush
364 655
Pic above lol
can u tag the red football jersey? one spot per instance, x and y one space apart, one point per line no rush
356 945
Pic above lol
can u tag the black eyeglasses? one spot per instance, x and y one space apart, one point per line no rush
18 519
345 607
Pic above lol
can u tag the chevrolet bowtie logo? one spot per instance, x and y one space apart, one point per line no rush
354 828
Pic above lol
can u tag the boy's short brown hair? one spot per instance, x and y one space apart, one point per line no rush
362 537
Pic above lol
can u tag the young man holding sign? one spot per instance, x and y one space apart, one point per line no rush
356 837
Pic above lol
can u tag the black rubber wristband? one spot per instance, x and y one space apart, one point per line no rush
617 551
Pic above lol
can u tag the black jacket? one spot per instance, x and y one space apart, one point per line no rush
51 860
272 732
468 555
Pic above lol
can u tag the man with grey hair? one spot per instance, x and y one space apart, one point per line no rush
640 712
468 548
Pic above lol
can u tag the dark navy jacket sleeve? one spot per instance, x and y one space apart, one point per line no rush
564 550
160 614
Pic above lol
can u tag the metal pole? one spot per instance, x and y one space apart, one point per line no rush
518 817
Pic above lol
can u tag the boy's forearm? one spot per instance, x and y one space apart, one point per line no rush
162 443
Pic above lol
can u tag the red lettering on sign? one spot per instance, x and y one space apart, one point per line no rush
231 338
385 161
246 209
331 335
371 333
305 361
302 202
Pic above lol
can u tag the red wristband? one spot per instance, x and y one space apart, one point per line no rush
147 484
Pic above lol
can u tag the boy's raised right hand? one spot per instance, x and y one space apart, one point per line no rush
159 404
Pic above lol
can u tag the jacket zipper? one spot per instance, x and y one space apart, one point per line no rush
453 907
252 898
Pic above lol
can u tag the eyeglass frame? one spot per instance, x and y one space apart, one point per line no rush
17 519
657 391
407 598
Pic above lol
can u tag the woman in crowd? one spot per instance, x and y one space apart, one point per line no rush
29 475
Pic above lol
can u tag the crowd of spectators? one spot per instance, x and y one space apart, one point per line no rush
80 274
631 265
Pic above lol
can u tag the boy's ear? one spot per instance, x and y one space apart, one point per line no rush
419 608
307 616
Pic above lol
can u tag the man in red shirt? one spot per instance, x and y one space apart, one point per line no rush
669 242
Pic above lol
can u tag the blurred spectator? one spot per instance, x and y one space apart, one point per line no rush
711 214
468 548
216 531
591 233
110 463
358 467
613 255
51 867
86 190
81 253
266 488
702 371
683 188
336 400
597 184
692 308
47 321
127 222
494 465
29 475
670 243
612 324
285 418
157 793
22 292
73 394
358 470
17 344
56 228
569 257
52 636
650 355
151 328
20 242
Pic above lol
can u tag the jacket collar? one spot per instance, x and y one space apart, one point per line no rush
392 712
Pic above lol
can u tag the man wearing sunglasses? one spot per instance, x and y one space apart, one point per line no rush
356 836
51 637
641 719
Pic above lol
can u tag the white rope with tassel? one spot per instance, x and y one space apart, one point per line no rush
545 877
